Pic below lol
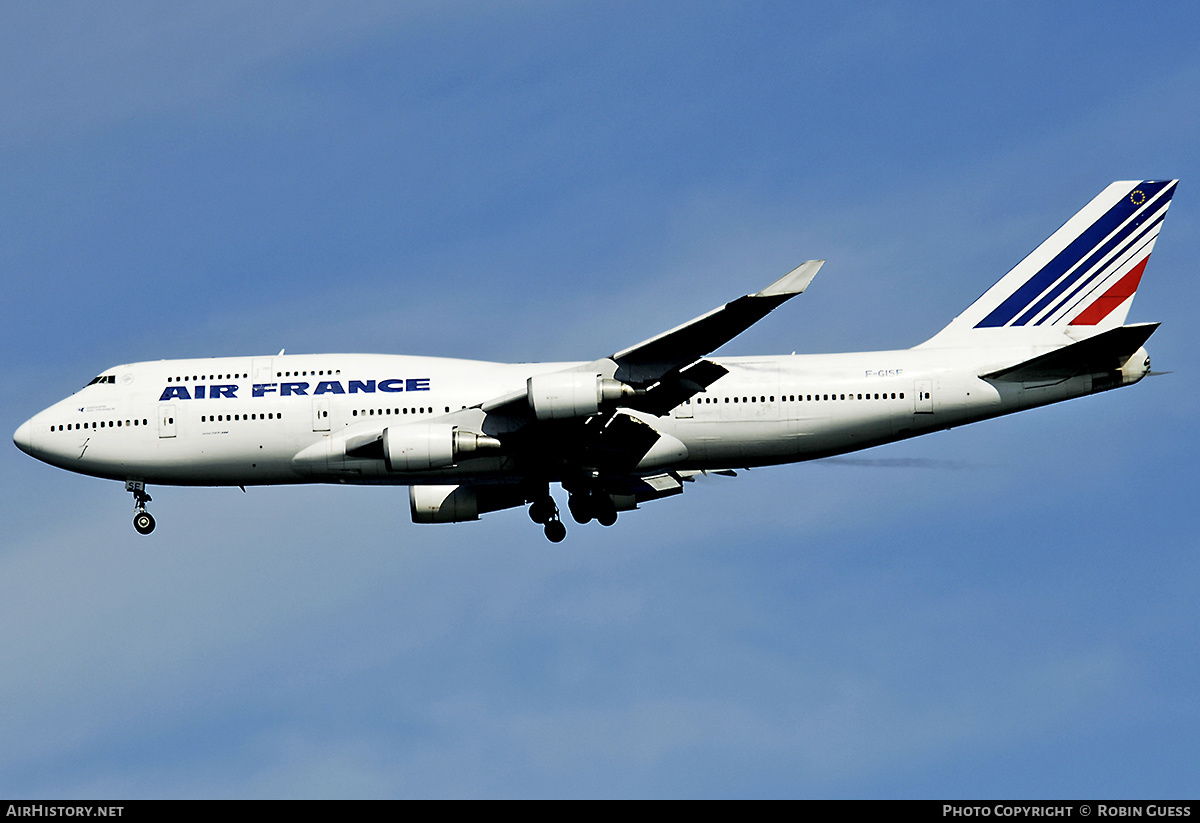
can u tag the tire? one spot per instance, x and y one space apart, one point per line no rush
556 532
143 522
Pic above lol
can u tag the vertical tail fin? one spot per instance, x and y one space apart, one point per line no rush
1082 279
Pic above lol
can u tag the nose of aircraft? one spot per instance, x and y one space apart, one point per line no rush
21 437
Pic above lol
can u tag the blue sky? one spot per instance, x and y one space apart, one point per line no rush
1004 610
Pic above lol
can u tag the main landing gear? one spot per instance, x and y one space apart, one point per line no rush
594 504
585 506
545 511
143 521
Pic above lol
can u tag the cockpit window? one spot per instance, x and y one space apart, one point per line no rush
104 378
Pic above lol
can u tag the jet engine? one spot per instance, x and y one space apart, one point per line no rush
561 395
456 504
423 446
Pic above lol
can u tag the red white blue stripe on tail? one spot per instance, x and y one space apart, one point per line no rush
1091 266
1082 278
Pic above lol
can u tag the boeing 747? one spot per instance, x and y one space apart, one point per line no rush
470 437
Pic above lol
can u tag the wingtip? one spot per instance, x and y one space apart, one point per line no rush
795 281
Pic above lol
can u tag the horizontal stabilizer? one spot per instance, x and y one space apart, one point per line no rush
1104 352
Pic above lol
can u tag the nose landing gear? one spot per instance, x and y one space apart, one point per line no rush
143 521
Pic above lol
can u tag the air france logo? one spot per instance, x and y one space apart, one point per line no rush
228 391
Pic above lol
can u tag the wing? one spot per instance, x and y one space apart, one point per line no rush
651 360
580 424
658 374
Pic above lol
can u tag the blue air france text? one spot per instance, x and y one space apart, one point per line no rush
229 391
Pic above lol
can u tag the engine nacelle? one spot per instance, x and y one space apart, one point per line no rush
443 504
562 395
456 504
422 446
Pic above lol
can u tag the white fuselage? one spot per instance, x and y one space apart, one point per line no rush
471 437
291 419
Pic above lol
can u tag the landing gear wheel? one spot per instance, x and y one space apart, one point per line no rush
143 522
543 511
581 508
556 532
603 508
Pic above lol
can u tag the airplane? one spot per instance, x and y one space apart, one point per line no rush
470 437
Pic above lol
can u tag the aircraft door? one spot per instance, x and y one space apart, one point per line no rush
261 369
320 414
923 397
166 420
